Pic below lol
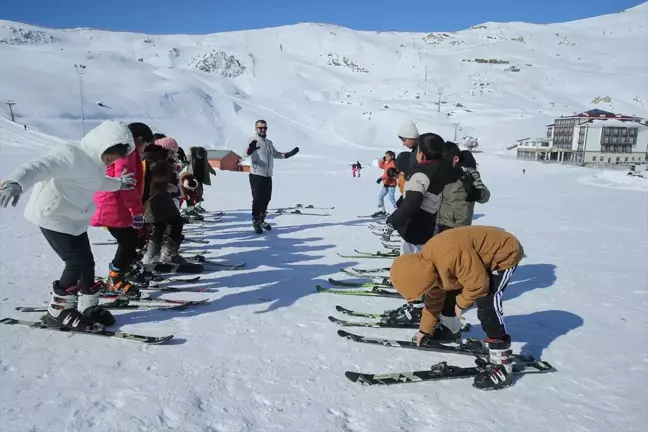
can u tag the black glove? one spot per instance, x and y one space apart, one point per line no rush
472 193
252 147
291 153
379 181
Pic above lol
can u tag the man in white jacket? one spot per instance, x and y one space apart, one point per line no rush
64 182
262 155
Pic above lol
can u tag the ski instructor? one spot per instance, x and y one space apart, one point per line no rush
262 155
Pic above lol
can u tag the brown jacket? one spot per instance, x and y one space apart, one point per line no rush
458 259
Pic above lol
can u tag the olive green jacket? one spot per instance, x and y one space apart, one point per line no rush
455 210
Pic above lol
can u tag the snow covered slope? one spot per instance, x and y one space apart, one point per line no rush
324 86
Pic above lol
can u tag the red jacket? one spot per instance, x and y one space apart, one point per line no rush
385 166
116 209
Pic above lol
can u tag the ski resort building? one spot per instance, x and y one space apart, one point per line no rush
225 160
594 137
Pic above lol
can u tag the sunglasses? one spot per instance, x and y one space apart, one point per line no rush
262 128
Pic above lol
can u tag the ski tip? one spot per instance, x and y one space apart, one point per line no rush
343 333
340 308
161 340
333 319
352 376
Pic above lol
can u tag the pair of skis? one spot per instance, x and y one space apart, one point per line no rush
523 364
387 319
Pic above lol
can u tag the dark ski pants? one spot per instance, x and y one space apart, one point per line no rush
75 251
261 195
489 307
127 239
174 226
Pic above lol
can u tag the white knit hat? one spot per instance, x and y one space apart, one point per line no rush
408 130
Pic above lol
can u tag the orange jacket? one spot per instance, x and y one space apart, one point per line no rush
391 182
457 259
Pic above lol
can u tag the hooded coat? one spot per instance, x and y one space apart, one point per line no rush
65 179
458 259
117 209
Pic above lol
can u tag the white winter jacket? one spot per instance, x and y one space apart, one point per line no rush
263 159
67 177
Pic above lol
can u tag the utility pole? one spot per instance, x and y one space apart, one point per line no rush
80 70
425 73
10 104
439 102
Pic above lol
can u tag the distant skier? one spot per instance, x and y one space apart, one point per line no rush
354 170
61 204
523 171
358 167
262 154
477 261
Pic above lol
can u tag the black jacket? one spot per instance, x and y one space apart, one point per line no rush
415 218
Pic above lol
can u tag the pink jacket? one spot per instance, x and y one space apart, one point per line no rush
116 209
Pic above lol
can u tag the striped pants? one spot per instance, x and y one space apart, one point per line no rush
489 307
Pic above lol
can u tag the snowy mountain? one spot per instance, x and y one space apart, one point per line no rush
323 85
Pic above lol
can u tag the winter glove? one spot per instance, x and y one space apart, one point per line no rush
128 180
138 222
252 147
291 153
10 192
379 181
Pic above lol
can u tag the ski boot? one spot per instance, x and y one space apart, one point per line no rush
199 208
118 284
152 254
498 371
141 275
256 224
77 310
379 213
448 330
265 225
170 254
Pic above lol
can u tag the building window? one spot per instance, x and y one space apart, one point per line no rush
618 160
626 159
594 159
633 159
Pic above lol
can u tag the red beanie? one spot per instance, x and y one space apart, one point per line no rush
168 144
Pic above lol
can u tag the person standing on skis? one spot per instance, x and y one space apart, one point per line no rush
262 153
64 182
477 261
388 180
122 212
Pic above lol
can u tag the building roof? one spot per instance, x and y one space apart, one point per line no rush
217 154
613 123
600 114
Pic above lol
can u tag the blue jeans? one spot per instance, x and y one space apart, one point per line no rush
389 193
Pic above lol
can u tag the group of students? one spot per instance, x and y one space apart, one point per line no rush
121 177
445 262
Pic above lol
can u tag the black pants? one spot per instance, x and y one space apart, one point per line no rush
261 195
175 230
489 307
75 251
126 247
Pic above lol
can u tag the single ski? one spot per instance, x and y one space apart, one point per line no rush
299 212
383 317
366 275
384 283
375 324
177 268
150 340
375 270
441 371
371 255
117 304
165 288
471 347
149 300
195 240
201 259
375 292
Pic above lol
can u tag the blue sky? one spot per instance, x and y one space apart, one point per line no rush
205 16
